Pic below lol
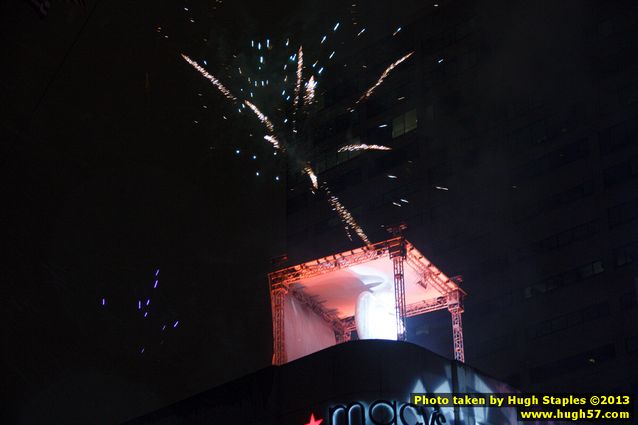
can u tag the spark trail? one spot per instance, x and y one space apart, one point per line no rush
363 147
383 76
210 78
303 95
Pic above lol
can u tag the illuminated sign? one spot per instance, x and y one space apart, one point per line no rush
380 412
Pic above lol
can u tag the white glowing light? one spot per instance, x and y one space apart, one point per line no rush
335 27
361 32
391 176
441 188
323 39
397 31
331 55
375 310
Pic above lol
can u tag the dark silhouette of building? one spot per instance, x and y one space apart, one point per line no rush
357 383
514 162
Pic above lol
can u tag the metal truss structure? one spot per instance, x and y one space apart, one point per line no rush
284 283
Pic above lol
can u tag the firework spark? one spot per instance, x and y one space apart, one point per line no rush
304 95
263 118
309 96
211 78
363 147
299 76
346 217
273 141
387 71
312 176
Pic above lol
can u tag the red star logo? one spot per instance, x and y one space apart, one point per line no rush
314 421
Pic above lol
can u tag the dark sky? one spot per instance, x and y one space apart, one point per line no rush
107 178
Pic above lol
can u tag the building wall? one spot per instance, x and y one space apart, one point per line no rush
520 175
360 372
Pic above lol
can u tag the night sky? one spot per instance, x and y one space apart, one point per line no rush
107 180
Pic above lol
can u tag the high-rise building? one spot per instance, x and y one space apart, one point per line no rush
513 164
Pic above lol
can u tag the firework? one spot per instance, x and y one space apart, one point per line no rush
274 142
312 176
309 96
263 118
387 72
210 78
346 217
303 94
363 147
299 76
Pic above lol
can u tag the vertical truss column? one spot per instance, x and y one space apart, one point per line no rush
455 307
277 299
397 253
343 336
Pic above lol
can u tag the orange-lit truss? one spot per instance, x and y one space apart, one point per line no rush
437 291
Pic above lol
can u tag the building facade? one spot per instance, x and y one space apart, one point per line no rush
513 164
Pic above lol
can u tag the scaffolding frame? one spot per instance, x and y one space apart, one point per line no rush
402 253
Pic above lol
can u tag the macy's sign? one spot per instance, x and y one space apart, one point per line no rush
380 412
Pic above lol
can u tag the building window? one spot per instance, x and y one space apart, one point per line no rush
404 123
567 237
613 139
564 279
625 254
623 213
628 300
631 344
572 363
569 320
620 173
552 160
